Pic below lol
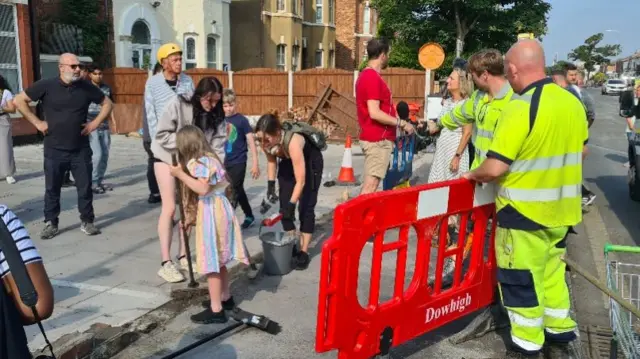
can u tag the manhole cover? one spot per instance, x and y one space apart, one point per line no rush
597 341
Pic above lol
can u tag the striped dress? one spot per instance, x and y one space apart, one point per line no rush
218 234
446 148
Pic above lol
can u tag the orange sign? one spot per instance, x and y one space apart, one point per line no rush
431 56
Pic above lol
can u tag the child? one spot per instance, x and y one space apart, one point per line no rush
239 135
218 234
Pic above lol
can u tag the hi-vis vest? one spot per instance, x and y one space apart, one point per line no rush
541 136
484 112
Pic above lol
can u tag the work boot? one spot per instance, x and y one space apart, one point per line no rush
89 229
50 230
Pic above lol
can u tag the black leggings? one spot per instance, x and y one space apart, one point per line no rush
236 173
151 174
307 204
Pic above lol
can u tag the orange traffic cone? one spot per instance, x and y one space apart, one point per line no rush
346 175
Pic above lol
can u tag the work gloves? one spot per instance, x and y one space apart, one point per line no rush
288 211
271 192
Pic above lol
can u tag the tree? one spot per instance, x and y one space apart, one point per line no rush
474 25
592 54
85 15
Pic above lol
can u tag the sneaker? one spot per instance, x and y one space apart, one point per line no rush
154 198
89 229
588 200
184 263
105 187
50 230
208 316
228 304
170 273
11 180
303 261
247 222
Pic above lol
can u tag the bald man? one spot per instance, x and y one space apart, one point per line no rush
536 161
65 100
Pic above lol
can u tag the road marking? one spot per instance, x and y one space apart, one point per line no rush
598 236
101 288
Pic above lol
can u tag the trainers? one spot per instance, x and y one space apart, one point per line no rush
184 263
170 273
89 229
154 198
208 316
228 304
11 180
588 199
303 261
247 222
50 230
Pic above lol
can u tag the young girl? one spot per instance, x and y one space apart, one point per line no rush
218 234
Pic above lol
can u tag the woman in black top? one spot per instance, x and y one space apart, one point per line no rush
299 177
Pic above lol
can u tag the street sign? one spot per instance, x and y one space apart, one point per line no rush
431 56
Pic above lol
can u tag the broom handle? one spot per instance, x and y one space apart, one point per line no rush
183 227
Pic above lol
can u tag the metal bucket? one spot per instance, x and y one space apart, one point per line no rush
277 248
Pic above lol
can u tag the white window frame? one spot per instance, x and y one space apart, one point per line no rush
319 9
185 54
315 54
281 66
280 5
295 58
366 20
215 53
296 7
332 12
302 5
15 34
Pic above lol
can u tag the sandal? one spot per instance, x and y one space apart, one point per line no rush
98 190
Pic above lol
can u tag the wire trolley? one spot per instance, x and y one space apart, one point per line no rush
624 279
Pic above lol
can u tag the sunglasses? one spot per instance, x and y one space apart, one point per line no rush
75 66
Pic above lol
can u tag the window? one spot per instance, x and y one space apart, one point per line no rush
296 7
141 45
332 15
366 23
332 58
318 59
295 57
212 52
279 5
319 11
280 58
302 9
190 58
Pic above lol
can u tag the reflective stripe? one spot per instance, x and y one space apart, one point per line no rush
481 153
556 313
479 96
485 134
526 98
521 321
551 331
454 119
525 344
464 111
541 195
546 163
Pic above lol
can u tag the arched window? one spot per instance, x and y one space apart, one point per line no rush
141 45
190 58
212 52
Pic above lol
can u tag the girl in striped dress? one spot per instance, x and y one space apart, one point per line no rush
218 234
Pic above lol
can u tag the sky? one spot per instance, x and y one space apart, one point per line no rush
572 21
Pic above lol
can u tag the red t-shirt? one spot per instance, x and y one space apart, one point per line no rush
371 86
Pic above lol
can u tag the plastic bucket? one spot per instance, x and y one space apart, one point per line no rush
278 252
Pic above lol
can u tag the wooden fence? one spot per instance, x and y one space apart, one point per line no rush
261 89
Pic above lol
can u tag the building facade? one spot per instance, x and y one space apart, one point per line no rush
201 27
287 35
356 23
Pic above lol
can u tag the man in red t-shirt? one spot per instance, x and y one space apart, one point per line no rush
376 116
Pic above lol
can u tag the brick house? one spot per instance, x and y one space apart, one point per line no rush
356 23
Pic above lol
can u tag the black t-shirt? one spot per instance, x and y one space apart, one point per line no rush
173 84
65 109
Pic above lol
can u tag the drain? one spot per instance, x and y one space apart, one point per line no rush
597 341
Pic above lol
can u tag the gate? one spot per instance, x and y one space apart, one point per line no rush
363 332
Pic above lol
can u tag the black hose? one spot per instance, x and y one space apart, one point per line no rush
213 336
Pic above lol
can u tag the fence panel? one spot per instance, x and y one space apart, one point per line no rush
308 83
199 74
405 84
127 84
261 89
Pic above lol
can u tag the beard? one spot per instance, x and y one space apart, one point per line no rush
71 77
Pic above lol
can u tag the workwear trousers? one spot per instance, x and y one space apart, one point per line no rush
533 289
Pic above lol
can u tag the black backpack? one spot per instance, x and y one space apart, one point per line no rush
310 133
28 293
627 104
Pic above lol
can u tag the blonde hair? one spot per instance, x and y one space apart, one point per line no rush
228 96
465 82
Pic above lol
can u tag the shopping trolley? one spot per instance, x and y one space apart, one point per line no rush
624 279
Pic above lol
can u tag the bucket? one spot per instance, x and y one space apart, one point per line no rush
278 252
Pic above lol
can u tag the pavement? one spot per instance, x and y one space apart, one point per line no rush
110 279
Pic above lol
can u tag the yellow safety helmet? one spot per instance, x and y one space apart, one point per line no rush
167 50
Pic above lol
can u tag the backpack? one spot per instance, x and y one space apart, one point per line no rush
627 104
310 133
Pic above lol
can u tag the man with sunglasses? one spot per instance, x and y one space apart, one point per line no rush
65 101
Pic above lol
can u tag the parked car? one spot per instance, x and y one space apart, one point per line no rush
614 86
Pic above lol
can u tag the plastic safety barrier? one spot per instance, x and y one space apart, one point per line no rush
361 332
401 166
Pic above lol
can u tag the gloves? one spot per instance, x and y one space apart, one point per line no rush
288 211
271 192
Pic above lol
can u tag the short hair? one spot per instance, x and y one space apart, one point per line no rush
92 67
228 96
489 60
570 67
559 72
377 47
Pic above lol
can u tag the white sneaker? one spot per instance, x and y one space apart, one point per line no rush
184 264
170 273
11 180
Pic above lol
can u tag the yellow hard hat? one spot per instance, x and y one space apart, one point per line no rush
167 50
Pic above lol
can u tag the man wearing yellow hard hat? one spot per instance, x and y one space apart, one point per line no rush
161 89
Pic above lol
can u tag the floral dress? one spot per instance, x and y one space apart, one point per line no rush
218 234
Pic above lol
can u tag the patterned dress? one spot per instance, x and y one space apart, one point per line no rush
446 148
218 234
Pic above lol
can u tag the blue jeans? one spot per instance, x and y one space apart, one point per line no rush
100 142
